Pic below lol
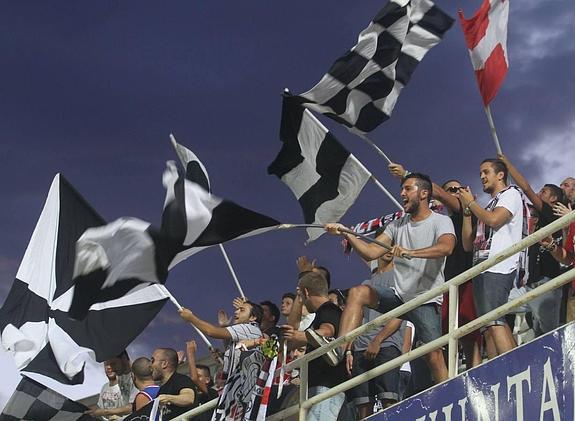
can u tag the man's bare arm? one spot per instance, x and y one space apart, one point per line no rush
522 182
206 327
366 251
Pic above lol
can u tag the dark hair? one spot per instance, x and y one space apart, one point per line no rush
325 272
315 283
557 192
124 355
498 166
339 294
142 368
289 295
423 182
257 311
273 309
453 180
207 372
171 356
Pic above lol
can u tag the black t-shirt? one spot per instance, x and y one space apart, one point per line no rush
320 372
459 260
173 386
541 263
205 398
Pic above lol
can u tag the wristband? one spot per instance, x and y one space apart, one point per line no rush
348 352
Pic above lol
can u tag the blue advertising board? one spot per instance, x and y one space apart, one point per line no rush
532 382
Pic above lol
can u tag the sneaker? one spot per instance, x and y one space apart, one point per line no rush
333 357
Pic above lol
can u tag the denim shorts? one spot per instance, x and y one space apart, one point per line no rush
426 318
385 386
491 290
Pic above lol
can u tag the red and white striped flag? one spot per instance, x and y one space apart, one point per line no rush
486 37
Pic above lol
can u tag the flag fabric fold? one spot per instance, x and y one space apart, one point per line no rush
361 88
486 38
325 177
196 217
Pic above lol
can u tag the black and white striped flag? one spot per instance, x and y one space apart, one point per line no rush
324 177
198 219
35 324
130 254
361 88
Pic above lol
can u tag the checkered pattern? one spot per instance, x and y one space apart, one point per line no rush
361 88
34 402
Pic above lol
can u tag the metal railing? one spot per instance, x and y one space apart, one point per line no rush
450 339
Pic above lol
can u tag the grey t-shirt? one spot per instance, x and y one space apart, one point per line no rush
378 280
416 276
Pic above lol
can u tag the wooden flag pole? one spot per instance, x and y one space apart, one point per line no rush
222 249
492 128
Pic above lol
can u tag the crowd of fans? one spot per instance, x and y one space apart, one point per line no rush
423 249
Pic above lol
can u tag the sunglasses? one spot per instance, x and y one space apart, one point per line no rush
454 189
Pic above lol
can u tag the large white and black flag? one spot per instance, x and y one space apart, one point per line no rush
35 327
324 176
361 88
129 254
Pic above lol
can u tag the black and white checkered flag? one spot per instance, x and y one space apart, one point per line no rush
361 88
33 401
324 176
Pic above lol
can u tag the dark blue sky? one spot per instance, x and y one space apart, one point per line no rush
93 89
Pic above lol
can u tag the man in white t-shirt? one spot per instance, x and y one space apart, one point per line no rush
499 225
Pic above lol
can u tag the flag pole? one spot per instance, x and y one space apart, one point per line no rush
230 267
347 231
374 146
175 302
492 128
222 249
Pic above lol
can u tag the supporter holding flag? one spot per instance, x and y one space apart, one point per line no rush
427 238
458 262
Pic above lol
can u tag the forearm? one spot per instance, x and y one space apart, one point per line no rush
294 318
297 340
206 327
389 329
448 200
194 371
122 410
366 251
183 399
443 248
467 234
489 218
